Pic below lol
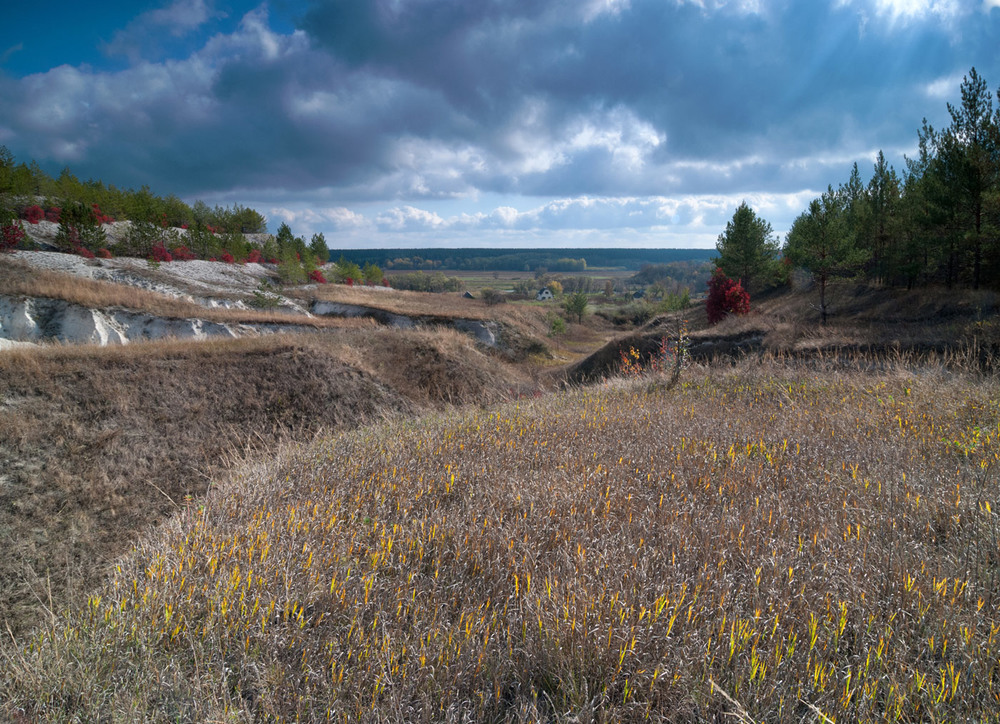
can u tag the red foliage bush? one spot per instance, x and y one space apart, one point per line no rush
255 257
54 214
83 251
33 214
10 236
182 253
104 253
350 282
160 254
227 257
100 216
385 282
725 296
317 276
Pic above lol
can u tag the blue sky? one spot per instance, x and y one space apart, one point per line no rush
494 123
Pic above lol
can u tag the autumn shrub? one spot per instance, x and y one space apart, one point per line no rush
80 225
227 258
255 257
53 214
182 253
725 296
317 276
103 253
159 253
84 252
33 214
11 234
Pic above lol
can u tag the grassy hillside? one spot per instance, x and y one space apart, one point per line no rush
97 444
758 543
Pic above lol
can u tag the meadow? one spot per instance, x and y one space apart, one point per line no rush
781 542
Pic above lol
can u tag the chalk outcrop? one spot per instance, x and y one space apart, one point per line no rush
34 320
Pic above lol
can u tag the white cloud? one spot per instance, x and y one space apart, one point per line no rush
945 87
902 12
177 19
408 218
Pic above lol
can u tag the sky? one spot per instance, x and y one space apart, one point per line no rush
487 123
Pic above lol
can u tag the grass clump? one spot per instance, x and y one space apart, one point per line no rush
775 544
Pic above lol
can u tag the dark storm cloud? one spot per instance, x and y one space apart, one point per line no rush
408 102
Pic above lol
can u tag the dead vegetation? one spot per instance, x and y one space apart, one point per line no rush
96 444
952 327
769 540
759 544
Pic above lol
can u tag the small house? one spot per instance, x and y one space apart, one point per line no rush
544 295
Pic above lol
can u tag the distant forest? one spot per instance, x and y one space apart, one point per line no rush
523 260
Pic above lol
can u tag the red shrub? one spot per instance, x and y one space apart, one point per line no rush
161 254
273 261
33 214
227 257
255 257
317 276
182 253
104 253
385 282
212 258
350 282
53 214
10 236
84 252
725 296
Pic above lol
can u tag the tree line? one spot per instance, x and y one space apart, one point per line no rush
23 186
936 223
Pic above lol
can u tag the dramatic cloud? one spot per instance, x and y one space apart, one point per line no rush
418 122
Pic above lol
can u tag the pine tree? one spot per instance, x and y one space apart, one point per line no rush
747 249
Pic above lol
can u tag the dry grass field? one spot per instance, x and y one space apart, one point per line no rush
97 444
759 543
372 524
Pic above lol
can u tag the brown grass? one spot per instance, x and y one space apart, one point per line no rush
759 543
97 444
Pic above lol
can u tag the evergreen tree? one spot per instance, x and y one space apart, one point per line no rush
319 249
968 152
747 248
820 242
